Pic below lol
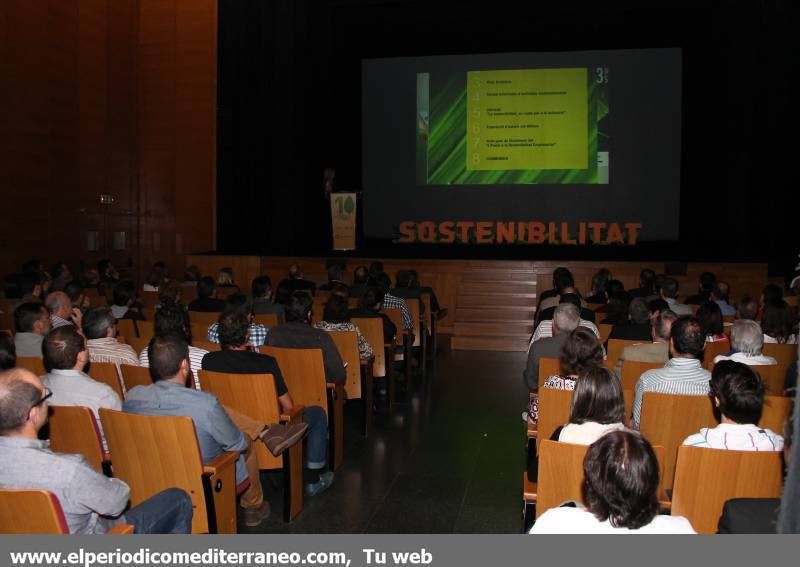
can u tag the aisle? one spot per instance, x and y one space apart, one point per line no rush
449 460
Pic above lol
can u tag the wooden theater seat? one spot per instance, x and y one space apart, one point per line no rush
706 478
605 331
203 317
358 384
372 329
783 353
615 348
106 372
38 512
32 363
153 453
404 338
631 372
775 412
304 373
269 320
255 396
74 429
133 376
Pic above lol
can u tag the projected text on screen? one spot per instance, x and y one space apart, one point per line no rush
513 126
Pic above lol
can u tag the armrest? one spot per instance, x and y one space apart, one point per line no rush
120 529
293 415
226 459
367 361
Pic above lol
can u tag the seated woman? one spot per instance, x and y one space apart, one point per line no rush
710 316
597 408
778 324
738 395
747 339
581 352
336 317
619 493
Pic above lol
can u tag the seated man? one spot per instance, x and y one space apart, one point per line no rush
62 311
558 273
65 357
124 297
738 395
684 373
747 340
646 289
747 308
360 282
261 290
545 328
297 332
391 301
637 326
297 281
236 358
369 305
655 351
669 293
207 300
335 277
720 295
565 320
704 289
32 321
100 327
257 332
216 433
564 284
92 503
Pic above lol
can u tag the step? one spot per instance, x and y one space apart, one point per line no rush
497 300
496 287
507 344
520 314
495 329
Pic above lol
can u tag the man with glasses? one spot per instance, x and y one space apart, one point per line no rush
92 503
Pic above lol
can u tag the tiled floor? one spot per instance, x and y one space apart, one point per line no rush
447 459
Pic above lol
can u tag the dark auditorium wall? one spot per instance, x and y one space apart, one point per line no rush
289 105
111 97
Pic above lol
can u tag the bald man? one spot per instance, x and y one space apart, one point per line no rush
61 310
92 503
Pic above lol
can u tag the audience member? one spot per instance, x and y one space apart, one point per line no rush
360 281
207 301
568 293
61 276
296 281
747 308
261 290
646 288
738 396
124 297
92 503
225 278
336 317
710 316
683 373
597 408
772 295
239 302
297 332
779 325
558 274
62 311
720 295
563 284
107 271
156 278
439 311
620 493
79 301
32 322
65 357
655 351
636 327
335 276
565 320
378 276
100 328
669 293
191 276
599 284
704 289
545 328
8 353
369 305
747 340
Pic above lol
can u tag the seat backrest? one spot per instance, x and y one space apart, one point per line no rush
668 419
396 316
784 354
775 412
126 328
605 331
7 321
773 376
560 476
106 372
149 313
146 329
615 348
426 303
347 344
138 344
32 363
554 408
199 332
31 512
206 345
206 318
153 453
253 395
74 429
413 306
133 376
318 307
372 329
706 478
304 374
714 349
633 369
269 320
548 367
149 298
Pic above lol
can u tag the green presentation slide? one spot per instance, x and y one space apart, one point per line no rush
513 126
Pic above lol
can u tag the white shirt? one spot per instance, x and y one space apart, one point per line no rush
580 521
545 329
73 388
684 376
750 360
790 340
111 350
736 437
678 308
587 433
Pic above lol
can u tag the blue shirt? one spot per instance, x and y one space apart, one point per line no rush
216 433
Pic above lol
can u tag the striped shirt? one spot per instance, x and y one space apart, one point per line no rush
737 437
545 329
393 302
195 362
684 376
109 349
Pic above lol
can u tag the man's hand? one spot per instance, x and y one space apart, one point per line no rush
76 317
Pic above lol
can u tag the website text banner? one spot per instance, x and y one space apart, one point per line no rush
393 550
